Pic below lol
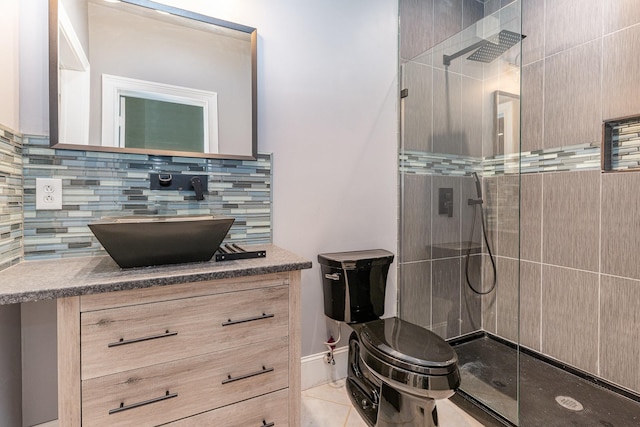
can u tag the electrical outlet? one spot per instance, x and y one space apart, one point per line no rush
48 194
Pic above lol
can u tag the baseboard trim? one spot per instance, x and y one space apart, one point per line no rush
316 371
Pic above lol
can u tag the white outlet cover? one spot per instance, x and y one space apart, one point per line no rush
48 194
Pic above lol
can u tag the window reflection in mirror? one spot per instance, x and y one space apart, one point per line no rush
192 74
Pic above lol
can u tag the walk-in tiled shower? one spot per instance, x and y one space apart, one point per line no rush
563 235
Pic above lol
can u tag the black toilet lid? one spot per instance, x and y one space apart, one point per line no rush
409 346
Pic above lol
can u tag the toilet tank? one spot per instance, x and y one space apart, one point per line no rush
354 284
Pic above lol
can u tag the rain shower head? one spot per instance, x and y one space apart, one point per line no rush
488 50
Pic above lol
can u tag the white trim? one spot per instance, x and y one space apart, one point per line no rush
72 55
114 87
316 371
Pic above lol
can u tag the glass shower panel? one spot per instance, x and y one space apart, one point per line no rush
459 207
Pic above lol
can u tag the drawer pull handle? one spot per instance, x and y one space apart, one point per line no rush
266 424
249 319
245 376
135 340
146 402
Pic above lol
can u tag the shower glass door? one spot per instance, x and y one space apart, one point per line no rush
460 190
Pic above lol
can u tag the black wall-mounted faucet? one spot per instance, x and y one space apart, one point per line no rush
180 182
196 183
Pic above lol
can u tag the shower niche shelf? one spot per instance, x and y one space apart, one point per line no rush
621 144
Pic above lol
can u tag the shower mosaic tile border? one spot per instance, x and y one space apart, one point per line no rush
576 157
425 163
11 198
98 184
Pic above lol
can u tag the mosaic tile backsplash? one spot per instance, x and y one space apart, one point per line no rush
98 184
10 198
569 158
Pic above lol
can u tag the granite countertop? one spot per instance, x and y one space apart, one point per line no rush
39 280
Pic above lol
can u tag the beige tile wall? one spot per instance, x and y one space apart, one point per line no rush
579 271
580 231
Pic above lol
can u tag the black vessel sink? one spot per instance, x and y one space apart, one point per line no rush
138 241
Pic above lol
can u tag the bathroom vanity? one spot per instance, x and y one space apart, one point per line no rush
190 344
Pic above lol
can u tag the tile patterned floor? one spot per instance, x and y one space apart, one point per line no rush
329 406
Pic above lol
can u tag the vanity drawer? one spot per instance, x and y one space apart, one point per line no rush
271 409
163 393
120 339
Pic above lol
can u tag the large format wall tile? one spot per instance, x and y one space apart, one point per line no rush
445 234
492 6
470 216
447 101
572 107
620 91
532 25
415 235
620 331
472 11
532 113
569 316
445 282
471 266
490 299
416 27
471 117
508 230
620 14
471 303
448 19
507 294
415 293
569 23
620 225
418 111
490 206
571 220
530 293
530 216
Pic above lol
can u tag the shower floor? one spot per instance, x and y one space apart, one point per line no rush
489 375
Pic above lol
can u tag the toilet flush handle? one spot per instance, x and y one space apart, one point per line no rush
332 276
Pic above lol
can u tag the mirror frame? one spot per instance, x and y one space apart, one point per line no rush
54 137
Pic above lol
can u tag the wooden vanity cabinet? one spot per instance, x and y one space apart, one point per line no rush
224 352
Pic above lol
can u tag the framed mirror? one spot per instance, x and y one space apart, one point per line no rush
135 76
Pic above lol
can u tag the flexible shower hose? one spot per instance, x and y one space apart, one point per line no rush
486 241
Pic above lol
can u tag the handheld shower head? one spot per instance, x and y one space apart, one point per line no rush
478 185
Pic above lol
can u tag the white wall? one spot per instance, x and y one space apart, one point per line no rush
34 67
9 76
328 111
10 366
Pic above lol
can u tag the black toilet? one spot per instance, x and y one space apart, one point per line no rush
396 369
